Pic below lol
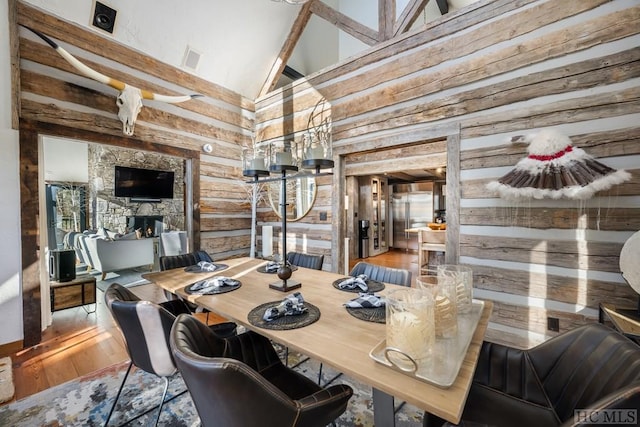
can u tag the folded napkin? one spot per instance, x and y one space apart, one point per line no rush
359 281
292 305
366 300
207 266
272 267
208 285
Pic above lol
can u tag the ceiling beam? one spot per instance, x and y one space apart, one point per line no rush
409 15
386 19
287 49
346 24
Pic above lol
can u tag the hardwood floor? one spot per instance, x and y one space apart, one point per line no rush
78 343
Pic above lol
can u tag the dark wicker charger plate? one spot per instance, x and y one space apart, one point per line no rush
372 314
374 286
214 291
262 269
197 269
284 322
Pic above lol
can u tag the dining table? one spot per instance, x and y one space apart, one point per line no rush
336 338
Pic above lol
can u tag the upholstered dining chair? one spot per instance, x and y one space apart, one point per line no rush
240 381
396 276
145 327
305 260
588 369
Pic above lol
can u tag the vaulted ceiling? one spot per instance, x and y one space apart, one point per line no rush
247 45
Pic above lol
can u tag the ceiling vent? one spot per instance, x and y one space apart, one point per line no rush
191 59
104 17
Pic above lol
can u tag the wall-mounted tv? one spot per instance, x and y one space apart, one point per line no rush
143 183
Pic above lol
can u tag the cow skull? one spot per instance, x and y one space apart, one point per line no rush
129 100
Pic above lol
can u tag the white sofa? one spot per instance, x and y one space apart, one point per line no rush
107 255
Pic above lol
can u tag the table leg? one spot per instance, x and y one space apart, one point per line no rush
383 413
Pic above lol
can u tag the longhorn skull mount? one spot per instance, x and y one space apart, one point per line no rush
129 100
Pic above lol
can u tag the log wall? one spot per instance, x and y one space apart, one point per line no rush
495 70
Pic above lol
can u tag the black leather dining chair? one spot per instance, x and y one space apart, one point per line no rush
589 369
396 276
140 323
305 260
240 381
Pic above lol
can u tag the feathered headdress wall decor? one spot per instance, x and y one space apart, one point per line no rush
555 169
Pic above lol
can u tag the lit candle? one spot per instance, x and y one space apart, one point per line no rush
267 244
316 152
257 163
410 332
283 158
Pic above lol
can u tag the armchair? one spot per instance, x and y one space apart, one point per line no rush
240 381
589 368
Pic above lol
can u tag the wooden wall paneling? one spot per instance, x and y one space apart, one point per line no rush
215 223
553 287
90 41
450 24
14 49
583 255
605 218
30 237
478 67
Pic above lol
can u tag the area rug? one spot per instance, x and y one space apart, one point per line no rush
86 401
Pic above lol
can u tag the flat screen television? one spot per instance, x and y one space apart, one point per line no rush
145 184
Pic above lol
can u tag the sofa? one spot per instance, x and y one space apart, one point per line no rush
108 255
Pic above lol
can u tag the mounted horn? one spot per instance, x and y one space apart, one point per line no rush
129 100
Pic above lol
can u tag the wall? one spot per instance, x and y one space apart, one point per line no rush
498 69
55 100
10 271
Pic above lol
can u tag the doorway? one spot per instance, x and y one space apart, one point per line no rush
432 153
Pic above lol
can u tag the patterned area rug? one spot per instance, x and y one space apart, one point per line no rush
86 401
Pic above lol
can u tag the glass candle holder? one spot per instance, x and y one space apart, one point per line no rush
445 309
462 277
283 156
316 150
410 327
255 161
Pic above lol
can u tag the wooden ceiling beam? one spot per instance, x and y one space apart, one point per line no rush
287 49
408 16
343 22
386 19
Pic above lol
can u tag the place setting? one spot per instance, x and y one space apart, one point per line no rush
213 286
359 283
205 267
272 267
290 313
367 306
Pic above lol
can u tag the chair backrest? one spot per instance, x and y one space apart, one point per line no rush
396 276
305 260
174 243
146 327
184 260
225 391
591 366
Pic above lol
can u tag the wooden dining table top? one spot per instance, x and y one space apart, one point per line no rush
337 338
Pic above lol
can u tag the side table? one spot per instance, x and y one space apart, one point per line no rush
77 292
623 323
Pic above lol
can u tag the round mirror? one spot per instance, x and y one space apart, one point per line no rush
301 193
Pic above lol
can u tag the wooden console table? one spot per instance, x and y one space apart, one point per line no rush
74 293
624 324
